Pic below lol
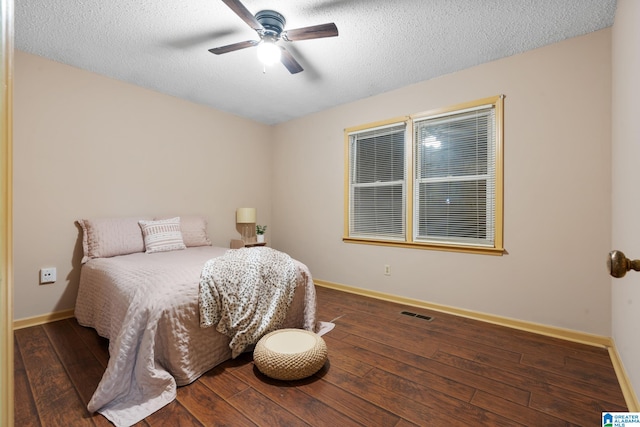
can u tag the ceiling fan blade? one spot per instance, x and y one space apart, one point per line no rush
313 32
244 14
232 47
290 62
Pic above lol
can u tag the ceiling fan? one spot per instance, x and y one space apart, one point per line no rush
269 25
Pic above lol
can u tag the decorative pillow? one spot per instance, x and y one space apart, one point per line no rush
107 237
162 235
194 230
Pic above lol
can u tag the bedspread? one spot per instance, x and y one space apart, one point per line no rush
147 306
246 293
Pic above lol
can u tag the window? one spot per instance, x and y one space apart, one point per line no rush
431 180
378 183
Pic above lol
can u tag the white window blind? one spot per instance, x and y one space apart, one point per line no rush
454 186
377 183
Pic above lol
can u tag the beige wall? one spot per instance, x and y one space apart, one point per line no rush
90 146
86 145
626 175
557 192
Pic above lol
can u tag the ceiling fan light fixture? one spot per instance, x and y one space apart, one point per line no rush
269 25
268 52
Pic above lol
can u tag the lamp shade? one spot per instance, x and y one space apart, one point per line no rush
245 215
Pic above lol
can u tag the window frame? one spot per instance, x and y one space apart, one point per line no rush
497 102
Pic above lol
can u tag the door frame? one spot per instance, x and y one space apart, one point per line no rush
6 212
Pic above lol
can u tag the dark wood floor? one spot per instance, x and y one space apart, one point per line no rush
384 369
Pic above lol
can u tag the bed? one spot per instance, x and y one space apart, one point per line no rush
146 302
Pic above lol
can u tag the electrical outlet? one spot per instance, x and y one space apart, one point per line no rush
47 275
387 270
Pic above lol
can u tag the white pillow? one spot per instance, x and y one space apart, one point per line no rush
163 235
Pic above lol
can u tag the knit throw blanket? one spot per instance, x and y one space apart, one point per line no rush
246 293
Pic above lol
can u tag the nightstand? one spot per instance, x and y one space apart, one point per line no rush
237 244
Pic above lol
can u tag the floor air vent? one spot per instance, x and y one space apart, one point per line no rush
419 316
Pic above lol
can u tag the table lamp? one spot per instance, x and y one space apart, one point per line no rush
246 216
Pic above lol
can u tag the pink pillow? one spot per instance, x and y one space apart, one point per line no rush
107 237
194 230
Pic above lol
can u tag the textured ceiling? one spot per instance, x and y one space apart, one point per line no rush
383 45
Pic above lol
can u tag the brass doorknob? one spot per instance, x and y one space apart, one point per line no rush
618 264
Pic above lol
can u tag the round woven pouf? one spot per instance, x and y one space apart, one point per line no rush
290 354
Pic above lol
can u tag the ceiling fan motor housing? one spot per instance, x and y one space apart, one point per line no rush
272 21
